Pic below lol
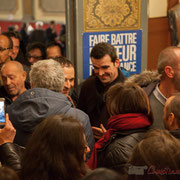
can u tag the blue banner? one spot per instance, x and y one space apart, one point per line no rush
127 44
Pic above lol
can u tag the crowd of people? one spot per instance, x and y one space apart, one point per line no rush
108 127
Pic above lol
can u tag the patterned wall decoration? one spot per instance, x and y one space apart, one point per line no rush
103 15
52 6
8 6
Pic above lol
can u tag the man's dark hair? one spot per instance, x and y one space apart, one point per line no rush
102 49
64 62
54 43
12 34
37 45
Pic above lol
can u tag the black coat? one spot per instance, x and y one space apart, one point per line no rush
92 100
10 156
116 152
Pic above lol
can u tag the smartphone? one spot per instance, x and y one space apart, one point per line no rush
2 112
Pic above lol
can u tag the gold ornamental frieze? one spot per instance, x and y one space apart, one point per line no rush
108 15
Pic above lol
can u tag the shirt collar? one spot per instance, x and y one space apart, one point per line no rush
157 93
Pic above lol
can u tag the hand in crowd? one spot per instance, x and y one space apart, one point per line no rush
98 132
8 133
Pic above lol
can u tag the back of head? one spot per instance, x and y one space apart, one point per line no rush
64 62
58 151
167 57
102 49
158 153
47 74
174 107
123 98
102 174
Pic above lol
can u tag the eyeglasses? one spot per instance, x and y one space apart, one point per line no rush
3 49
34 57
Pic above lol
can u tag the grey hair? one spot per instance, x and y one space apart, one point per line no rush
167 57
47 74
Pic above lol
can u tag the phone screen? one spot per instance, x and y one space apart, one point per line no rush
2 113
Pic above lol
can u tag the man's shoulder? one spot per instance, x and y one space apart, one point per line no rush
77 113
89 83
90 79
40 101
39 93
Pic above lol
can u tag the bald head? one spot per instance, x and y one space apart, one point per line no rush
13 76
172 113
13 64
168 57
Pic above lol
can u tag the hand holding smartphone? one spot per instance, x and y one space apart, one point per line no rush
7 133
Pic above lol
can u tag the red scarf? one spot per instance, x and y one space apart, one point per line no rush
117 123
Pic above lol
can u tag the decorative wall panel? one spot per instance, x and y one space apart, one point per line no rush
52 6
8 5
103 15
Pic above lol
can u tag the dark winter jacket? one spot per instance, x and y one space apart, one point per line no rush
117 150
36 104
92 100
10 156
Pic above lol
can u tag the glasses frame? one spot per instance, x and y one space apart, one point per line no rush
3 49
34 57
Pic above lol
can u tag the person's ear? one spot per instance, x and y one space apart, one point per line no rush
116 63
24 75
169 71
171 119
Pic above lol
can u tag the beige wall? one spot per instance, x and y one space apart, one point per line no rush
34 10
17 14
39 14
157 8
